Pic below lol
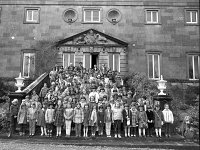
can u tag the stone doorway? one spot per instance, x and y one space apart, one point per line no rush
94 60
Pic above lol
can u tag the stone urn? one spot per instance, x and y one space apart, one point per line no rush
19 82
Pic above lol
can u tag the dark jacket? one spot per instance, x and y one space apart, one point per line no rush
125 116
14 110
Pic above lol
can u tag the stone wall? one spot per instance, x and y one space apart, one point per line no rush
171 37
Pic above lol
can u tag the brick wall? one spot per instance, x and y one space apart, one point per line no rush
172 37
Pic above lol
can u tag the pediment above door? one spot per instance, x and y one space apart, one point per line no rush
92 37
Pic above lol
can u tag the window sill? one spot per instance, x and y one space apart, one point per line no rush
193 79
155 79
26 22
191 24
153 23
92 22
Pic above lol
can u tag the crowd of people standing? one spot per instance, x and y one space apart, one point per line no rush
87 101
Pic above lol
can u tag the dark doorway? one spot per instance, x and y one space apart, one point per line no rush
94 60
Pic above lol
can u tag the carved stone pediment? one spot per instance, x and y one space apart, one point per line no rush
92 37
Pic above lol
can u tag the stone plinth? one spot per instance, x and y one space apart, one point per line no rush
163 99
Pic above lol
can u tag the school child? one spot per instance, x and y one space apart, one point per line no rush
58 118
127 120
134 120
108 120
168 119
86 119
40 119
93 120
49 119
142 120
78 119
13 116
92 102
43 92
150 121
83 101
100 119
158 120
22 119
117 119
68 115
31 118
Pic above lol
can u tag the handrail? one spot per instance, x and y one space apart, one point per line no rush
30 87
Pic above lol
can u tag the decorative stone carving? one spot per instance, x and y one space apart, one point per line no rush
91 38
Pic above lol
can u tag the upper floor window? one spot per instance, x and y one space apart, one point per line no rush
152 16
28 64
114 61
191 16
153 66
32 15
92 15
193 66
0 14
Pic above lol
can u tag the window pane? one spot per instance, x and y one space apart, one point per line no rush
72 58
190 68
111 61
87 15
196 68
25 65
32 65
29 15
194 13
155 13
116 62
150 66
148 16
96 15
35 15
156 66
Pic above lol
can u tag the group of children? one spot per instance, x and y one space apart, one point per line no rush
88 101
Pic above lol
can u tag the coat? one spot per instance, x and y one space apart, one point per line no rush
142 119
40 118
59 117
31 114
100 118
14 110
108 116
150 117
158 119
78 115
68 113
49 115
22 116
126 115
134 118
86 117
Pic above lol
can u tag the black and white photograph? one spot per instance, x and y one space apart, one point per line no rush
99 74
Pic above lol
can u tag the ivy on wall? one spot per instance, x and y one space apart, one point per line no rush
46 54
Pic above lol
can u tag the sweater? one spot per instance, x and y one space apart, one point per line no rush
168 116
117 113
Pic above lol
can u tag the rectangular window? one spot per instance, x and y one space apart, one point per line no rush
28 65
193 66
152 16
191 16
0 14
92 15
68 58
32 15
114 61
153 66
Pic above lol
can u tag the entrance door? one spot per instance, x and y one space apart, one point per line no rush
94 59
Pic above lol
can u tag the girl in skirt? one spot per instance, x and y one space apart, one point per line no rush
58 118
86 119
142 120
22 119
93 120
49 119
134 120
126 120
40 119
68 115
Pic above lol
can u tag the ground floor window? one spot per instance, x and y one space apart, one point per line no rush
153 66
194 65
28 65
68 58
114 61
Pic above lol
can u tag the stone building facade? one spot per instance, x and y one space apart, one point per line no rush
155 37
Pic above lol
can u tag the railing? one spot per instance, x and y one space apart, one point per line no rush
37 84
